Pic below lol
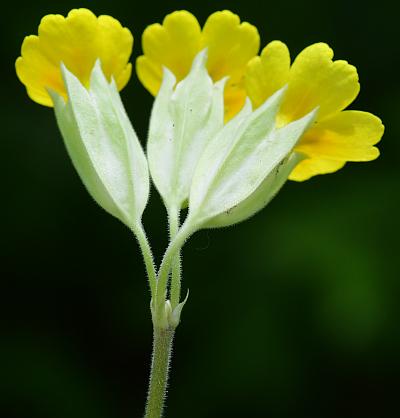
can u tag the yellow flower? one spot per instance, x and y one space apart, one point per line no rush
315 80
177 41
77 41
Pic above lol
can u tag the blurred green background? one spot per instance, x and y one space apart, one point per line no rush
292 314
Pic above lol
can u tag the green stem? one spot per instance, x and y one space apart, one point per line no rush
176 271
147 257
162 349
163 273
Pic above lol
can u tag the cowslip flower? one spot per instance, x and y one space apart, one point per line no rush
77 64
77 41
198 161
316 81
175 43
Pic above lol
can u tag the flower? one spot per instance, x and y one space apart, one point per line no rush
176 42
77 41
316 81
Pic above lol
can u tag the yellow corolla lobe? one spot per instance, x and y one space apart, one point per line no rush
268 72
174 44
316 81
77 40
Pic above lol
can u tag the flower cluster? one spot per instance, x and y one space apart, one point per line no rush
228 128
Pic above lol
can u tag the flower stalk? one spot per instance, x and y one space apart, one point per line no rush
147 257
176 270
163 314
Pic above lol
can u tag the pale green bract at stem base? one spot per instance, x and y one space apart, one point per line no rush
103 146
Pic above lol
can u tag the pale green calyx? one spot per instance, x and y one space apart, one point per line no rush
244 165
103 146
184 119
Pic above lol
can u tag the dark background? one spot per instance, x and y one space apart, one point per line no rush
294 313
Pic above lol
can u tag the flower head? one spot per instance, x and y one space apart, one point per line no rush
175 43
77 41
316 81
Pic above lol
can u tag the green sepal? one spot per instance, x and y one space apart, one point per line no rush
244 165
184 118
103 146
260 198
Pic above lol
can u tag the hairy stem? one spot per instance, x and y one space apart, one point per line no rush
162 350
147 257
169 256
176 271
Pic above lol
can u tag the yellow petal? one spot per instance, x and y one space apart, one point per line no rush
230 44
267 73
317 81
173 44
78 41
114 50
149 73
345 136
313 166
